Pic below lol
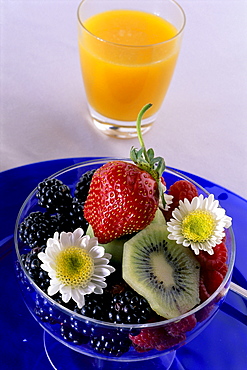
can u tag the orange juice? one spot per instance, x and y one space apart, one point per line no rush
129 63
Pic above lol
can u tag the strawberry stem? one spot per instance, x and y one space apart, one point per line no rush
139 131
145 159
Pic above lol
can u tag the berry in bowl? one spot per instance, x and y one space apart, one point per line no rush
122 260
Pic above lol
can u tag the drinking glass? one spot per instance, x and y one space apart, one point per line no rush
128 52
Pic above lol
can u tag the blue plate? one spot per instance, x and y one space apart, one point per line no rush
222 345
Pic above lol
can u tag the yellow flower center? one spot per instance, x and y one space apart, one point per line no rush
198 226
74 267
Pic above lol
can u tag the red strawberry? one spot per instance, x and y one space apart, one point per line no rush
122 199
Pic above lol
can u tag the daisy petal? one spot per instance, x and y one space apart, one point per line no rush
53 289
87 272
199 224
97 252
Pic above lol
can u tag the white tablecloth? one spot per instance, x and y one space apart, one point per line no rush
202 127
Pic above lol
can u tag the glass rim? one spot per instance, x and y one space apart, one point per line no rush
78 316
179 32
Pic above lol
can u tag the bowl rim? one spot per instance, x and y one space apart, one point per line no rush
224 285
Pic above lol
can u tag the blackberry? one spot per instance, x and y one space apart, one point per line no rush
32 264
111 343
82 187
71 305
23 278
72 217
45 311
71 334
75 331
36 228
53 195
128 307
96 306
80 326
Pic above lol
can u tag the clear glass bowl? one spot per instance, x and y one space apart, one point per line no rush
54 317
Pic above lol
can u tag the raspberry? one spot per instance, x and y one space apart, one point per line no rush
155 338
215 261
213 270
177 328
164 337
204 312
180 190
171 341
211 279
223 270
203 293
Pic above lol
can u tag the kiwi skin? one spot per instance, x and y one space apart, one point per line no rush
163 272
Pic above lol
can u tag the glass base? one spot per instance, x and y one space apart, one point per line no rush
120 129
62 357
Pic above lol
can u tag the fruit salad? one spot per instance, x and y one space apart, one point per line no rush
122 247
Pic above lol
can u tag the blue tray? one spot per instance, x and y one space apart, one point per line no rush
223 344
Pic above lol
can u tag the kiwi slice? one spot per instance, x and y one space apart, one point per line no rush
163 272
159 218
115 247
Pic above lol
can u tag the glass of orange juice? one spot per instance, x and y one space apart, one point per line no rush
128 52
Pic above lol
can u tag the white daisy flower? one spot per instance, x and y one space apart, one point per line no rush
76 264
168 198
199 224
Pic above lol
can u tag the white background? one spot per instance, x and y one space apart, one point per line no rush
202 127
